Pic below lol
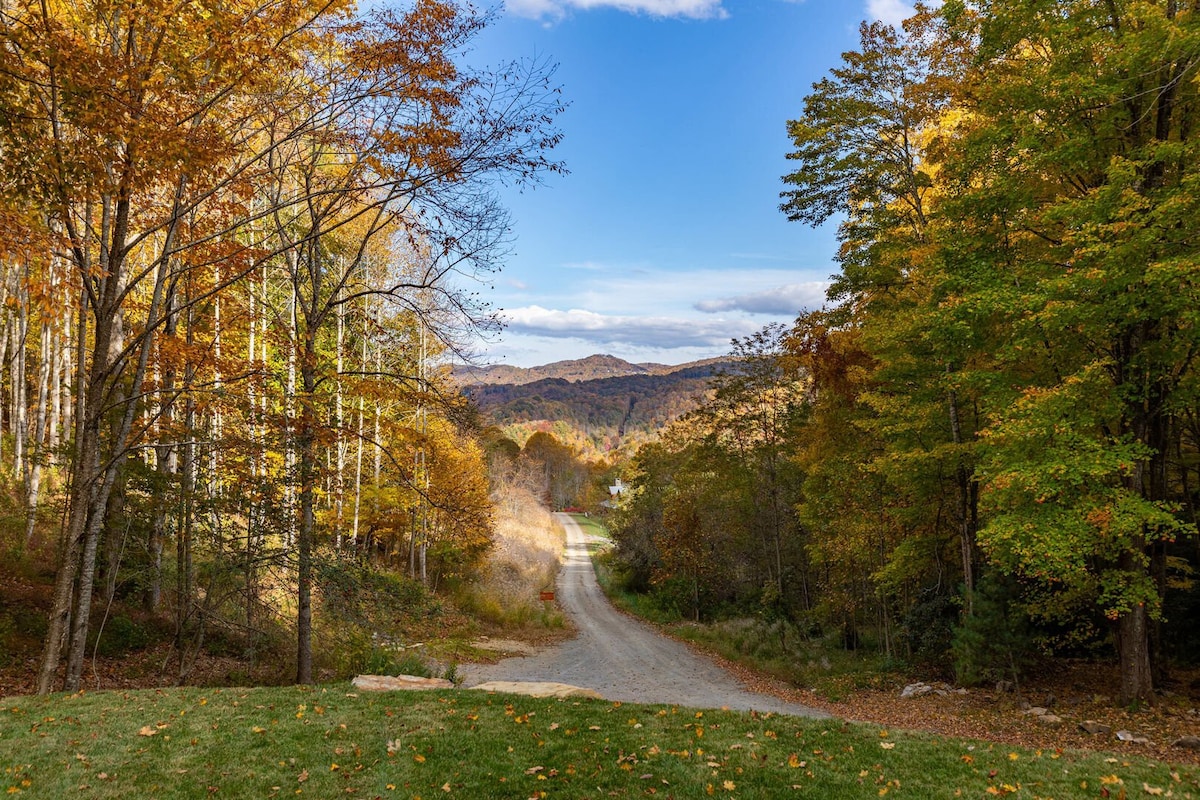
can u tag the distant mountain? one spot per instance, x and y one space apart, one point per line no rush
582 369
597 404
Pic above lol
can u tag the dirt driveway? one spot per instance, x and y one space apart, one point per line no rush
621 658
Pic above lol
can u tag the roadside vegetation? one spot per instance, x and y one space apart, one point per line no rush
775 649
522 563
233 269
370 618
334 741
983 455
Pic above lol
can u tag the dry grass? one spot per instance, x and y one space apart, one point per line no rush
524 561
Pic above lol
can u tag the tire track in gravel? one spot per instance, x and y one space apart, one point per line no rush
621 658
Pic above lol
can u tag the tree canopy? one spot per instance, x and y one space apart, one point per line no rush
994 419
236 239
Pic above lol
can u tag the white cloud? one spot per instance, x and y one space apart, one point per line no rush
641 313
892 12
783 300
557 9
603 329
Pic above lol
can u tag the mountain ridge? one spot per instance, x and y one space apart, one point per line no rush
597 405
593 367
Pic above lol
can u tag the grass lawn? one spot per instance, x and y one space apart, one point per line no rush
332 741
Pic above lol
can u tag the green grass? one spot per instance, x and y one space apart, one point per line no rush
776 649
592 526
332 741
818 663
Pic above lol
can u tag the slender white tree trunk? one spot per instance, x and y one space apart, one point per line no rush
339 478
290 414
39 428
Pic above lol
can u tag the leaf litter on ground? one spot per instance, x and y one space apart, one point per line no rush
471 744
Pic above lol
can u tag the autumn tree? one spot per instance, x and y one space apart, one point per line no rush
752 415
1016 276
128 123
170 157
1076 151
709 520
907 432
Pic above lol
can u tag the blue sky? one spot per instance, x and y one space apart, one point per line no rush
665 240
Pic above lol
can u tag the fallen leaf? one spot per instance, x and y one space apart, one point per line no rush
1148 789
147 730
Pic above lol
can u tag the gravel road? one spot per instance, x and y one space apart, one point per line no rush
621 658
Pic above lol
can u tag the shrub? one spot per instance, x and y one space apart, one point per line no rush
995 640
927 629
117 636
8 635
386 661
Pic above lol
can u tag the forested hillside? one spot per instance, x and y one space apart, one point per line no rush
581 369
594 415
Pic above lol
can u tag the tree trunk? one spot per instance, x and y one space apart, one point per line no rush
17 422
967 492
1137 682
185 522
166 465
306 444
34 481
339 434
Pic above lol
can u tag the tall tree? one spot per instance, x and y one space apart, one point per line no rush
157 143
862 145
1077 151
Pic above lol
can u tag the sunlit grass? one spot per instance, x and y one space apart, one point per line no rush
592 526
334 741
524 561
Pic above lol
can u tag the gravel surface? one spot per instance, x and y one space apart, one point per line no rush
621 658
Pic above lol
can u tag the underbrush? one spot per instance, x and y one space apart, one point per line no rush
380 623
783 650
366 619
523 562
612 580
780 650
